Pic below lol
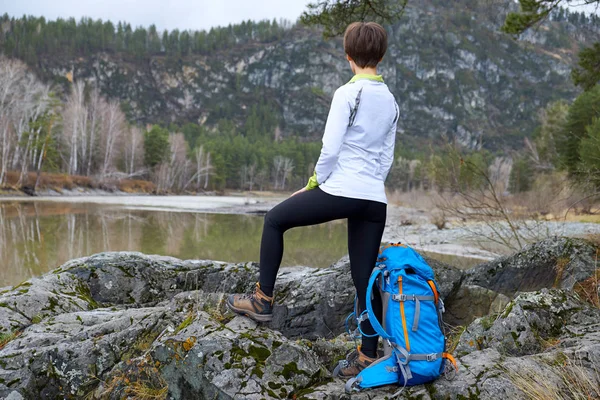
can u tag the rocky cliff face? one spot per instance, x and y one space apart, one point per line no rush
120 325
453 73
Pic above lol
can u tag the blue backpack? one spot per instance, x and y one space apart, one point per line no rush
412 327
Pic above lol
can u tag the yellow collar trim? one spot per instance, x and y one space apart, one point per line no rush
377 78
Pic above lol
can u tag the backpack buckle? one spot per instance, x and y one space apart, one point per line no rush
432 357
362 317
404 297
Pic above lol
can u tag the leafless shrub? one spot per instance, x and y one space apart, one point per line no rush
438 218
476 197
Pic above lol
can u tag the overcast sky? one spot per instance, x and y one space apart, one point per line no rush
165 14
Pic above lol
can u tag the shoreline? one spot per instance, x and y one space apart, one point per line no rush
454 241
63 185
83 191
233 203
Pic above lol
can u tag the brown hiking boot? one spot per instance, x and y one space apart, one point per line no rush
257 305
355 362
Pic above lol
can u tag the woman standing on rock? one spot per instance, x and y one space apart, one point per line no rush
357 153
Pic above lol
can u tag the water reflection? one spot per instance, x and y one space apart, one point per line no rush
36 237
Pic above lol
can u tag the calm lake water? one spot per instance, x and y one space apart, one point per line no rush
38 236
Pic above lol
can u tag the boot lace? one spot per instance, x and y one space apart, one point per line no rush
350 361
250 296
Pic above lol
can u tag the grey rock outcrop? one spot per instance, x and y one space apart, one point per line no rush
116 325
311 302
76 324
543 342
558 262
531 323
65 355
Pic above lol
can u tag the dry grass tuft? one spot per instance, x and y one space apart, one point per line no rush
136 186
550 343
218 312
453 334
142 382
589 289
574 382
50 181
5 338
561 264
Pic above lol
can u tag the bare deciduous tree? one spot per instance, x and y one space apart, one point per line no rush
208 170
248 176
92 132
113 124
287 169
134 152
499 173
75 122
23 100
277 165
251 176
173 173
203 169
282 168
95 107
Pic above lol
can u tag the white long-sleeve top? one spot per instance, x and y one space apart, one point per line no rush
358 143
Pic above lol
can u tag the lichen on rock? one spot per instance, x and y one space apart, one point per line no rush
117 325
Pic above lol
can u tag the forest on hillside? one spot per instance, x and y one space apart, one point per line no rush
84 132
30 38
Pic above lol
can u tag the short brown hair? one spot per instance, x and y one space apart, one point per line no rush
365 43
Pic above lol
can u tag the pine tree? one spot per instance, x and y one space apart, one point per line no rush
534 12
581 114
156 146
589 151
154 45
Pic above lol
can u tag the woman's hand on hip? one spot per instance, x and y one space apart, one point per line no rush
299 191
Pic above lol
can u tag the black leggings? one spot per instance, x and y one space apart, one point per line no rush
366 221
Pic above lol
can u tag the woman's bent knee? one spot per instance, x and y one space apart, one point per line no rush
272 220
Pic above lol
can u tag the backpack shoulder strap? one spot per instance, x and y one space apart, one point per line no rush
372 318
434 289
